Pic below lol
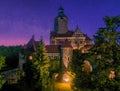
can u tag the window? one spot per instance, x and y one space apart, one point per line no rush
75 42
55 57
61 42
81 42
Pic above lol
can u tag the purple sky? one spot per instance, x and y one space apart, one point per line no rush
20 19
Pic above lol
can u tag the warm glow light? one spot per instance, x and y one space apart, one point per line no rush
112 74
66 77
30 57
65 82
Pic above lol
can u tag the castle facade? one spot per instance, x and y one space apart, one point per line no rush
63 41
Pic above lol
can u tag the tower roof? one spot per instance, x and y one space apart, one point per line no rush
31 45
61 12
61 9
77 29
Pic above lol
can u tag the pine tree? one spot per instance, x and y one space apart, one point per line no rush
76 68
41 64
105 55
2 64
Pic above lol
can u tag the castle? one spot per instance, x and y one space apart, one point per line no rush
63 41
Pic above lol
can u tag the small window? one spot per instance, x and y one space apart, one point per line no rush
81 42
61 42
75 42
49 56
55 57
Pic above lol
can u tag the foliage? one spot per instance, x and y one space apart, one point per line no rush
104 58
105 55
54 66
29 70
77 60
76 67
12 55
2 64
41 63
9 50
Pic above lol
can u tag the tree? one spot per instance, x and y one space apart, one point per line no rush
76 66
105 55
11 54
54 66
41 63
2 64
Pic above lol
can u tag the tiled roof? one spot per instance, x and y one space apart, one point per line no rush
31 45
87 38
36 43
67 34
53 48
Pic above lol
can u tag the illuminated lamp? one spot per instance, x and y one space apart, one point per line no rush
30 57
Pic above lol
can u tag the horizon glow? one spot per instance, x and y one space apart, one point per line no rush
20 19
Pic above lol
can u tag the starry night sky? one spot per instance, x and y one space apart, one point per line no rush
20 19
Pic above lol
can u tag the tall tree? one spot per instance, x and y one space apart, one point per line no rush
76 66
104 58
41 63
2 64
105 55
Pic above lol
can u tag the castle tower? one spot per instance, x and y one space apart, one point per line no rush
61 22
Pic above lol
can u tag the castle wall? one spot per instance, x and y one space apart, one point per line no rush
53 55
